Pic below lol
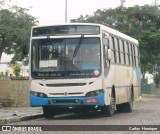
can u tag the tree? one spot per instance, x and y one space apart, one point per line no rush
16 70
2 3
140 22
15 26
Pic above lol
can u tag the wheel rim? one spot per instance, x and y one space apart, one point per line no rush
112 104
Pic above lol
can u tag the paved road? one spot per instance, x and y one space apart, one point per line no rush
146 112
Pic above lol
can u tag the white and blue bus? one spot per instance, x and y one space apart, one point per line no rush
83 67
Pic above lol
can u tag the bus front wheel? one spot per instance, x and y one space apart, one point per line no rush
48 112
109 111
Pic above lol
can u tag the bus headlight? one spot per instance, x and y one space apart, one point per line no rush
38 94
94 93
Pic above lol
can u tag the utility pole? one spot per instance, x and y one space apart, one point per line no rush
122 2
155 2
66 11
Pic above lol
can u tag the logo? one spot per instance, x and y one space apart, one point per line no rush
96 72
6 128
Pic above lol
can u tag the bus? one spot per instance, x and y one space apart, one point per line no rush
83 67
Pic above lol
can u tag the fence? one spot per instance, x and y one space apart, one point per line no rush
150 89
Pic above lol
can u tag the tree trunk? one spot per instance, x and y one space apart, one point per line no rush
159 76
143 71
0 56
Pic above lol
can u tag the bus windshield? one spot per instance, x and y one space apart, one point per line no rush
60 58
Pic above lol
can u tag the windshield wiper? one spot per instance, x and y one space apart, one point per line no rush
78 46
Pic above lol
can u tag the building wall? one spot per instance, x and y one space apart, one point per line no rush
149 78
14 93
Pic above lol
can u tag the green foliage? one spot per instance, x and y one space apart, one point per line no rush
156 79
16 70
15 27
140 22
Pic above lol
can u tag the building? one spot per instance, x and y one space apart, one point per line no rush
4 68
149 77
7 70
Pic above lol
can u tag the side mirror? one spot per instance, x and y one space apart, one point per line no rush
109 54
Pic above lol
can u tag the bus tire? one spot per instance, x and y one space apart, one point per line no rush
109 111
129 105
48 112
120 108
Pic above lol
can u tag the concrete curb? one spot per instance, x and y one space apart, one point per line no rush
19 118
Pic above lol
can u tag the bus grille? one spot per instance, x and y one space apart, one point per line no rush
72 101
65 84
73 93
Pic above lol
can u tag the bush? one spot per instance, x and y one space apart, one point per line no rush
16 70
156 79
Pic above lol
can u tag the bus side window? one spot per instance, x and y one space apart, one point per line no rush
133 57
110 42
124 55
121 51
111 47
130 53
127 54
114 52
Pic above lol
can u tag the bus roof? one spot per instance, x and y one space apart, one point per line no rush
63 24
102 27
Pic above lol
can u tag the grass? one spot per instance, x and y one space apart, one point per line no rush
144 100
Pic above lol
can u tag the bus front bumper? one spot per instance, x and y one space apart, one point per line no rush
67 101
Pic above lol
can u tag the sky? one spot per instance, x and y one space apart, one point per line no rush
53 11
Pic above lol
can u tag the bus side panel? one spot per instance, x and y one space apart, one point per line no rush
136 81
118 76
122 77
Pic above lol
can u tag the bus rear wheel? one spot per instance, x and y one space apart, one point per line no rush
129 105
48 112
126 107
120 108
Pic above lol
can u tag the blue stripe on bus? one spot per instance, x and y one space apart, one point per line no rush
38 101
74 44
86 68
